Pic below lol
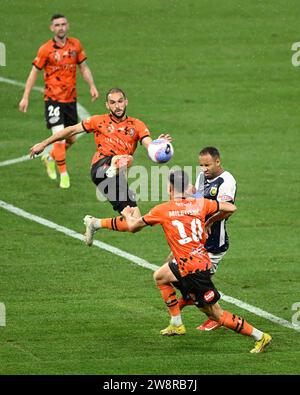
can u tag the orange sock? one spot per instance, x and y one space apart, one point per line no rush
118 223
237 324
168 294
58 153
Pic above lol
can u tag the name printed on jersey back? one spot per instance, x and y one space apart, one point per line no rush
189 207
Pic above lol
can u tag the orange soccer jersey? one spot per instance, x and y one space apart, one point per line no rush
59 64
183 223
115 138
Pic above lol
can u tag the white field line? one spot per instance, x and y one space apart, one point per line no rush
82 112
140 262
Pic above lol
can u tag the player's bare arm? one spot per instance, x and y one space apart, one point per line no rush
88 77
63 134
226 209
33 75
134 224
147 140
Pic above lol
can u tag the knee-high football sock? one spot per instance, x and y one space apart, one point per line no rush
168 294
239 325
118 223
58 153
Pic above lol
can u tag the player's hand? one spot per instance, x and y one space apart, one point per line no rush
191 190
36 149
207 228
23 105
166 137
94 93
127 211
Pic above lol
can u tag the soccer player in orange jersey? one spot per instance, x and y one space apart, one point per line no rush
218 184
116 137
183 222
59 58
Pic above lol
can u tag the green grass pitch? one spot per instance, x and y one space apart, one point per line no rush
209 73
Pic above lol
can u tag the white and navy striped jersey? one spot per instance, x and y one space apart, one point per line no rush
222 189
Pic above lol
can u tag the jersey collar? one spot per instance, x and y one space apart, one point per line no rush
116 120
57 46
214 179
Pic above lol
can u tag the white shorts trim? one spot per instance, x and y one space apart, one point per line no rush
215 260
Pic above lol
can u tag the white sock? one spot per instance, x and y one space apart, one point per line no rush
257 334
176 320
64 173
97 223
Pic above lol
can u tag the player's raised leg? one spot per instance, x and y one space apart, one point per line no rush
118 162
117 192
92 225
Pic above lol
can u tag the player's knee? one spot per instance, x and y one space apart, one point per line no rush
157 277
214 312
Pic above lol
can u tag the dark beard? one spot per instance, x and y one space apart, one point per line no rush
119 116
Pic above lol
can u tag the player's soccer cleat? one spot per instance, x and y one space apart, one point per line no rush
261 344
209 325
90 229
117 162
64 181
50 167
173 330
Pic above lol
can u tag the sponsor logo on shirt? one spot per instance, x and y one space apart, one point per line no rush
209 296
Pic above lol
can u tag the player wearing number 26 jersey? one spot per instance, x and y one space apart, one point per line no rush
59 57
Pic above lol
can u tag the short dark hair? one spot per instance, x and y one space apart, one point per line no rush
212 151
57 16
116 90
179 180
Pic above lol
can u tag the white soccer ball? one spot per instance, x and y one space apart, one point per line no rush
160 151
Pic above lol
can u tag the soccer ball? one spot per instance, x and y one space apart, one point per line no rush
160 151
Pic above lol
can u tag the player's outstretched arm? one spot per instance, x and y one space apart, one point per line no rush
147 140
226 209
63 134
134 224
34 73
88 77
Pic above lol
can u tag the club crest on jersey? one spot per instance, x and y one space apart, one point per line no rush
131 132
73 54
110 128
213 191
